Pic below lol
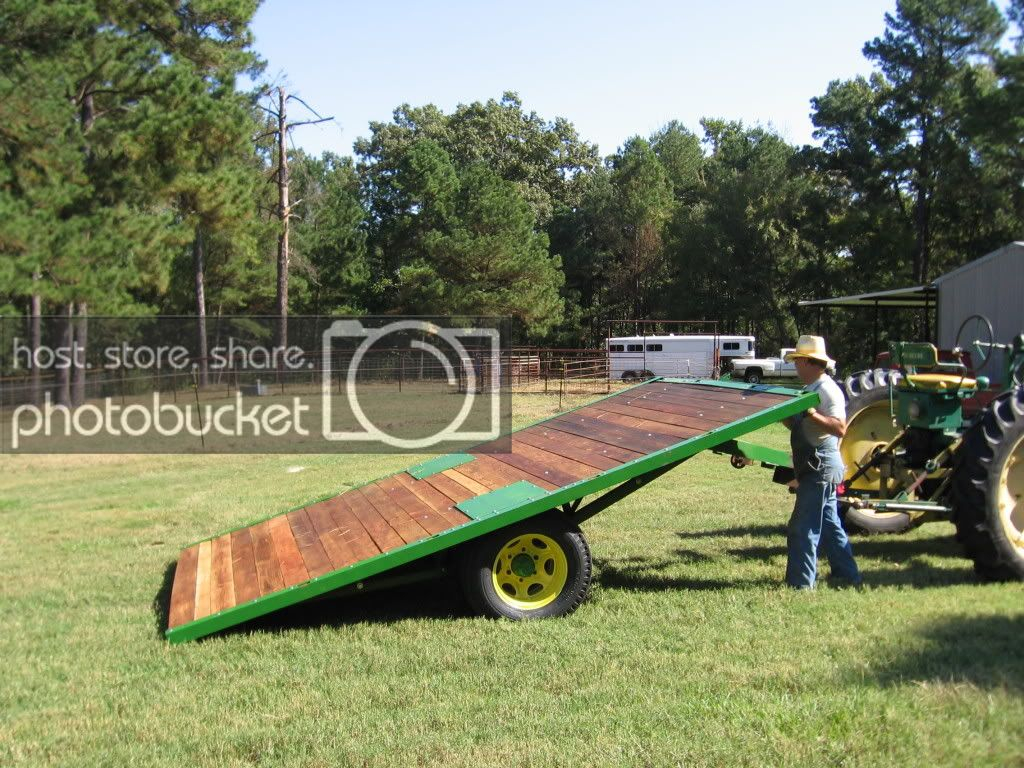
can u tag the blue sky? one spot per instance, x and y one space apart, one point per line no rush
612 68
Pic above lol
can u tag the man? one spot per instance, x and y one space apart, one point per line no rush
814 439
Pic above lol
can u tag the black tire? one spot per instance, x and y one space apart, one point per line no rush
867 522
753 375
870 395
982 462
495 590
628 375
862 382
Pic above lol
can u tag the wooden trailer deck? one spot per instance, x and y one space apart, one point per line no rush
332 543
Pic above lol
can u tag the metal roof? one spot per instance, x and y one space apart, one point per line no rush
915 297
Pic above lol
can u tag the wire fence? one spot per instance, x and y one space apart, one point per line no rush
555 372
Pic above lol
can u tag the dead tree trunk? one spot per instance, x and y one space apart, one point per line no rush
35 334
282 238
200 268
64 367
81 344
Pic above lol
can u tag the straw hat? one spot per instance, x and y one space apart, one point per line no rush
812 347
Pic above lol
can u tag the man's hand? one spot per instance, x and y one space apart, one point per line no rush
830 424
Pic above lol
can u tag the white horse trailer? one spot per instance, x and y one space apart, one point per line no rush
631 357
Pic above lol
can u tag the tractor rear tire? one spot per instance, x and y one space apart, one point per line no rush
862 382
868 426
535 569
987 489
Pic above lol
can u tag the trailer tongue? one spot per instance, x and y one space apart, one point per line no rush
509 517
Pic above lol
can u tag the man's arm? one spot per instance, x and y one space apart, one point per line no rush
830 424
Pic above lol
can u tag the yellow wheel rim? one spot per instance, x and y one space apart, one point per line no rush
1011 490
530 571
869 429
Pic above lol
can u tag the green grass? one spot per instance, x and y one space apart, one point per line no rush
689 651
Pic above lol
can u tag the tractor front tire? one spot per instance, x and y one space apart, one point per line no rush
988 488
868 427
535 569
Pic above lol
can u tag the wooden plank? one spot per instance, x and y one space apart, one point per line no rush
450 488
414 507
268 569
646 425
437 501
203 579
352 530
384 536
334 543
659 405
597 459
293 569
613 434
477 489
308 541
183 592
243 567
706 394
737 402
550 470
724 412
662 417
490 481
496 475
565 444
569 466
395 516
223 595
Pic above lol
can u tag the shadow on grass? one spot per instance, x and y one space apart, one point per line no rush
434 597
981 650
162 600
891 560
643 574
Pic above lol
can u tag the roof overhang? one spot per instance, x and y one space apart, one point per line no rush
920 296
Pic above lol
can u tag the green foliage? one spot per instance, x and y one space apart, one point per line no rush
331 266
482 257
118 119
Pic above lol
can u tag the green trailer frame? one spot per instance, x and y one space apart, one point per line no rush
522 500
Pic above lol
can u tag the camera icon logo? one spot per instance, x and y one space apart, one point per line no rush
439 337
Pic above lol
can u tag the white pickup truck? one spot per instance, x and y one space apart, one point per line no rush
754 369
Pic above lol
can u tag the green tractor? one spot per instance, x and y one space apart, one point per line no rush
913 455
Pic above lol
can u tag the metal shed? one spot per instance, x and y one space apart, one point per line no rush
992 286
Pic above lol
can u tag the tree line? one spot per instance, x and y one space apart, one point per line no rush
137 178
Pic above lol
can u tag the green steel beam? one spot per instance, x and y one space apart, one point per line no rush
771 457
476 528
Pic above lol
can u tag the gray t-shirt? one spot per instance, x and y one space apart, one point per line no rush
833 404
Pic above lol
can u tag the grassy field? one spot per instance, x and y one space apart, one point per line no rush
688 653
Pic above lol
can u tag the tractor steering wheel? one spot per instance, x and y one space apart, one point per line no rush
978 330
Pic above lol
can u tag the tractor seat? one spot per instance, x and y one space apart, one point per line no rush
940 382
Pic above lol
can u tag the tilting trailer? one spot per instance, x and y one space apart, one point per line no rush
509 520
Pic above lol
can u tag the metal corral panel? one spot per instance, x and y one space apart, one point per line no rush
359 532
992 286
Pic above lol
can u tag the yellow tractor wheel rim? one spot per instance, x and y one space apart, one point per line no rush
530 571
1011 496
869 429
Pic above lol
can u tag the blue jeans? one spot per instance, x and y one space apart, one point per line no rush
815 519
